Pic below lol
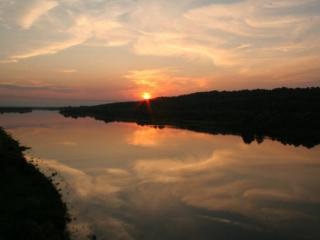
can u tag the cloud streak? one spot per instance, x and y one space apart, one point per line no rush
215 31
161 81
165 47
49 49
15 87
37 10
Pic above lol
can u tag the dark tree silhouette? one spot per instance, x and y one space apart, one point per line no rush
289 115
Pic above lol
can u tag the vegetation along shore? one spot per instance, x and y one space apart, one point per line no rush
291 116
30 205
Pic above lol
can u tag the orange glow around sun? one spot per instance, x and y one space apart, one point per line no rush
146 95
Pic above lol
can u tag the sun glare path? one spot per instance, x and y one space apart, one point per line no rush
146 96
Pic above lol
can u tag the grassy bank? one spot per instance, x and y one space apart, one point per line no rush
30 205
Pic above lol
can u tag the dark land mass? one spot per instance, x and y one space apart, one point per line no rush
15 109
25 109
30 205
291 116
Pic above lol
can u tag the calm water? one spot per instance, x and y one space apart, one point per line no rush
124 181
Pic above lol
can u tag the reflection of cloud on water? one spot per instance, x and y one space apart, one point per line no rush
118 203
84 184
252 185
133 182
271 195
92 200
231 222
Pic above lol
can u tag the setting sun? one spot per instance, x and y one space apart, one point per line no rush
146 96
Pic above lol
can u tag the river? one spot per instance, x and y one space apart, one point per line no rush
125 181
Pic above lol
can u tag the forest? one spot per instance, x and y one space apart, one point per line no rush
289 115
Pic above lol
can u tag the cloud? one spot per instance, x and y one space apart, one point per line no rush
83 28
69 143
231 34
16 87
38 9
8 61
211 44
68 70
49 49
160 81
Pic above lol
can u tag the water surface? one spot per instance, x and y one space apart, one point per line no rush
124 181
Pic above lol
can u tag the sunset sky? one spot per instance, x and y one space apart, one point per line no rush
57 52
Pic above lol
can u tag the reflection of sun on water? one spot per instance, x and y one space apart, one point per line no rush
146 95
146 137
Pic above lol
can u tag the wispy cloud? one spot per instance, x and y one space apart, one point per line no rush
69 143
102 32
211 43
214 31
51 48
19 87
37 9
8 61
68 70
161 81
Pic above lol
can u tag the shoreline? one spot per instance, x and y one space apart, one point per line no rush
290 116
31 207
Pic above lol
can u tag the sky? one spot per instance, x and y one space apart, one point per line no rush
76 52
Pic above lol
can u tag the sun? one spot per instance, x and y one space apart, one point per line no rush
146 96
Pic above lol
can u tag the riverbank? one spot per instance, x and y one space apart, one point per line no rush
30 205
290 116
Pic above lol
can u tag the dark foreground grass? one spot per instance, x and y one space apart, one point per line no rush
30 205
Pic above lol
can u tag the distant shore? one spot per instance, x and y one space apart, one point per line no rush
290 116
26 109
30 205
